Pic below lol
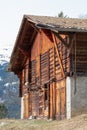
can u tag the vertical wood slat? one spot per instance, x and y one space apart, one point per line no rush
51 55
52 85
20 88
26 106
22 82
44 74
44 61
27 71
33 86
60 99
30 104
33 73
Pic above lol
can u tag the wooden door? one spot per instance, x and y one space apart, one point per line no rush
57 87
60 99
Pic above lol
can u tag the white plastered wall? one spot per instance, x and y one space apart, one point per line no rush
68 97
22 107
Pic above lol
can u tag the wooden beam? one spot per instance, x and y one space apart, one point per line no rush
33 25
57 52
33 36
23 51
62 40
71 38
22 34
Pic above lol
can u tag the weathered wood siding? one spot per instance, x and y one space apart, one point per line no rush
46 82
79 55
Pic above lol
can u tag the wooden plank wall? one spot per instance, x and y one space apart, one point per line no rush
81 55
46 96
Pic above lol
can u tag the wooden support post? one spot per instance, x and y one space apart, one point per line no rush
51 101
54 101
26 107
57 52
62 40
53 87
75 89
48 100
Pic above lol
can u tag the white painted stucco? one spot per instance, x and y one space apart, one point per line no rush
68 97
22 107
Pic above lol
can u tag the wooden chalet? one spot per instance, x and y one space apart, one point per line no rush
50 59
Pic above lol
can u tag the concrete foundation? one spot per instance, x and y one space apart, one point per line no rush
79 100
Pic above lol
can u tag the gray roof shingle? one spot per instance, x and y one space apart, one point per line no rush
60 24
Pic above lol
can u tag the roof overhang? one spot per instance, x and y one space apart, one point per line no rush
24 40
59 29
27 33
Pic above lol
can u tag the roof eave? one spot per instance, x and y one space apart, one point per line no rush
59 29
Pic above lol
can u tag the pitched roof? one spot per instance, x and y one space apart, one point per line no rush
28 30
59 24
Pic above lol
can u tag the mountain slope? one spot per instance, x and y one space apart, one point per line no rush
9 85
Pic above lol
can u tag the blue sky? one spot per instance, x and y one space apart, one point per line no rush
12 11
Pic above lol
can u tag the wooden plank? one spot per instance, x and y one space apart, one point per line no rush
38 66
63 103
30 103
54 100
26 106
57 101
60 100
51 102
60 62
61 39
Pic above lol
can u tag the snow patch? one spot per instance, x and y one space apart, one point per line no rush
7 84
1 79
1 101
14 83
5 54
